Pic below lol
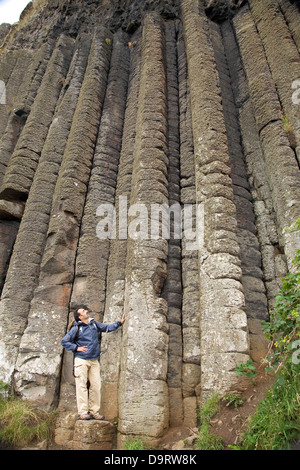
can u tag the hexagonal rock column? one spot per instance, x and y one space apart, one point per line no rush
143 391
223 324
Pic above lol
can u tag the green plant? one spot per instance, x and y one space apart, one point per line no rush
205 439
21 423
288 129
233 398
3 387
247 368
283 329
286 125
134 444
294 227
209 409
4 390
277 420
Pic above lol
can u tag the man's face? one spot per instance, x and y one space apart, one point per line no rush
83 314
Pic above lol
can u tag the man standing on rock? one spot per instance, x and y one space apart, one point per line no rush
82 338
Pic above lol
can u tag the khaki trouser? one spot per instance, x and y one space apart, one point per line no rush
87 400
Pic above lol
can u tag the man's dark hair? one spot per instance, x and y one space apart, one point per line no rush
76 314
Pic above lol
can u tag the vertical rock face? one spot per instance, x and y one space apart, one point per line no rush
146 167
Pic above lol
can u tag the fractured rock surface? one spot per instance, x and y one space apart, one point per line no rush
124 108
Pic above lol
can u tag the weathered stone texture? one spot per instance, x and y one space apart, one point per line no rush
21 101
124 105
272 27
219 263
83 435
116 269
279 157
57 265
24 160
146 259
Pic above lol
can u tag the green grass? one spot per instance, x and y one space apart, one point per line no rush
205 439
276 423
134 444
21 424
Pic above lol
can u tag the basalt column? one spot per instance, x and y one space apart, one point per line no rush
20 96
272 27
111 345
278 153
223 324
24 265
172 291
290 11
251 259
39 363
91 282
189 254
123 121
143 392
23 163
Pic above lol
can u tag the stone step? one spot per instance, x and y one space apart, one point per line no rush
73 434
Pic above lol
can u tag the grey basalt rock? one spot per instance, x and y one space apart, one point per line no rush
124 105
220 10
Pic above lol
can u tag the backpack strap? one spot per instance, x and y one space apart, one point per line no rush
74 341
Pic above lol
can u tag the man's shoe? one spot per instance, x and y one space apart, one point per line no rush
98 417
84 417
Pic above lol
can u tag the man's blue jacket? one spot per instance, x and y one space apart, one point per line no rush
82 334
